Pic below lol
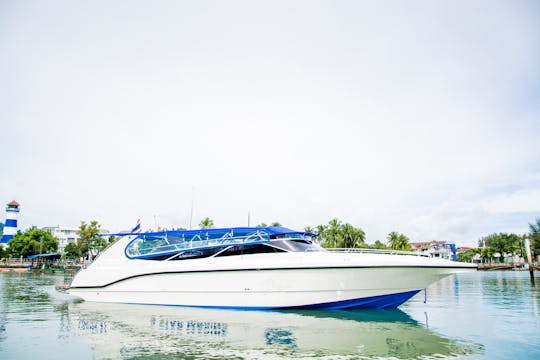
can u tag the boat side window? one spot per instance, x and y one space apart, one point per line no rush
197 254
249 249
218 251
145 245
296 245
189 254
300 236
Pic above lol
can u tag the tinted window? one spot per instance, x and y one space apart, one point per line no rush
191 254
195 254
249 249
296 245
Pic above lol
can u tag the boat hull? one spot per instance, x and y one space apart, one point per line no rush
271 288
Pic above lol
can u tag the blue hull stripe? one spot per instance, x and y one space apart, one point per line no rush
390 301
6 238
11 223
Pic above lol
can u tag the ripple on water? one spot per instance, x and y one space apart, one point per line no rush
473 316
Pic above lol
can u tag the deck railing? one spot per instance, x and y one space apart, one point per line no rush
374 251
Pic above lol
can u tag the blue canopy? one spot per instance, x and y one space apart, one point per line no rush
270 230
168 243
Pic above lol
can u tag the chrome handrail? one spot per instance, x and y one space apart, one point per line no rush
374 251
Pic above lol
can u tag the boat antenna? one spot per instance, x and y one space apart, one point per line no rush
248 217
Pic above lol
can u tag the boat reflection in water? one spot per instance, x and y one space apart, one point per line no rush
127 331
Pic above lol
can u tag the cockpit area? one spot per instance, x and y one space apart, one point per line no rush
193 244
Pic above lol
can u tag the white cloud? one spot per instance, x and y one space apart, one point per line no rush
389 116
527 200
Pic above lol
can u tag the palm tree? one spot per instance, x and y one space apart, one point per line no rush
486 253
360 236
351 236
309 229
379 245
393 239
320 230
398 241
333 233
534 236
206 223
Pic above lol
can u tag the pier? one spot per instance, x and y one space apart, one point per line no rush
38 264
15 265
500 266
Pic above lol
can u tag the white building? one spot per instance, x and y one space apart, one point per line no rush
65 235
438 249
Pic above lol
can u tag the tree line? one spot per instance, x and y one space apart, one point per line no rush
501 245
334 234
35 241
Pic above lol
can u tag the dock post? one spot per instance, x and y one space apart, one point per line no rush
529 259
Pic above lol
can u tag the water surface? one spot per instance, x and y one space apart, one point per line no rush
493 315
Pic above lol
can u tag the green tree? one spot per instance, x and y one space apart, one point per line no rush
309 229
31 241
72 251
320 230
351 237
275 223
397 241
534 236
502 243
89 241
379 245
262 225
206 223
486 254
332 234
468 255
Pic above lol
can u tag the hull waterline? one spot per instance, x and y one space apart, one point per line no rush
283 273
323 288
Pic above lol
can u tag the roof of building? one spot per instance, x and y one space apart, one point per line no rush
426 244
13 203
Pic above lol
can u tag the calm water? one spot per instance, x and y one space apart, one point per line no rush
483 315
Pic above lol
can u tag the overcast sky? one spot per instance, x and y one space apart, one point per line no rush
421 117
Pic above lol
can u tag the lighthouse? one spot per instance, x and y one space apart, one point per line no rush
10 227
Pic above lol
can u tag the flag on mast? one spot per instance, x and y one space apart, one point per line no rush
137 228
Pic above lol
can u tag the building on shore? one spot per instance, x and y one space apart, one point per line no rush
439 249
64 234
10 227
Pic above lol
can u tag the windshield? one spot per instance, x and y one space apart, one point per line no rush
296 245
151 245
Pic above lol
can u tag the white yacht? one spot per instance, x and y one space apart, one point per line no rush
253 268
